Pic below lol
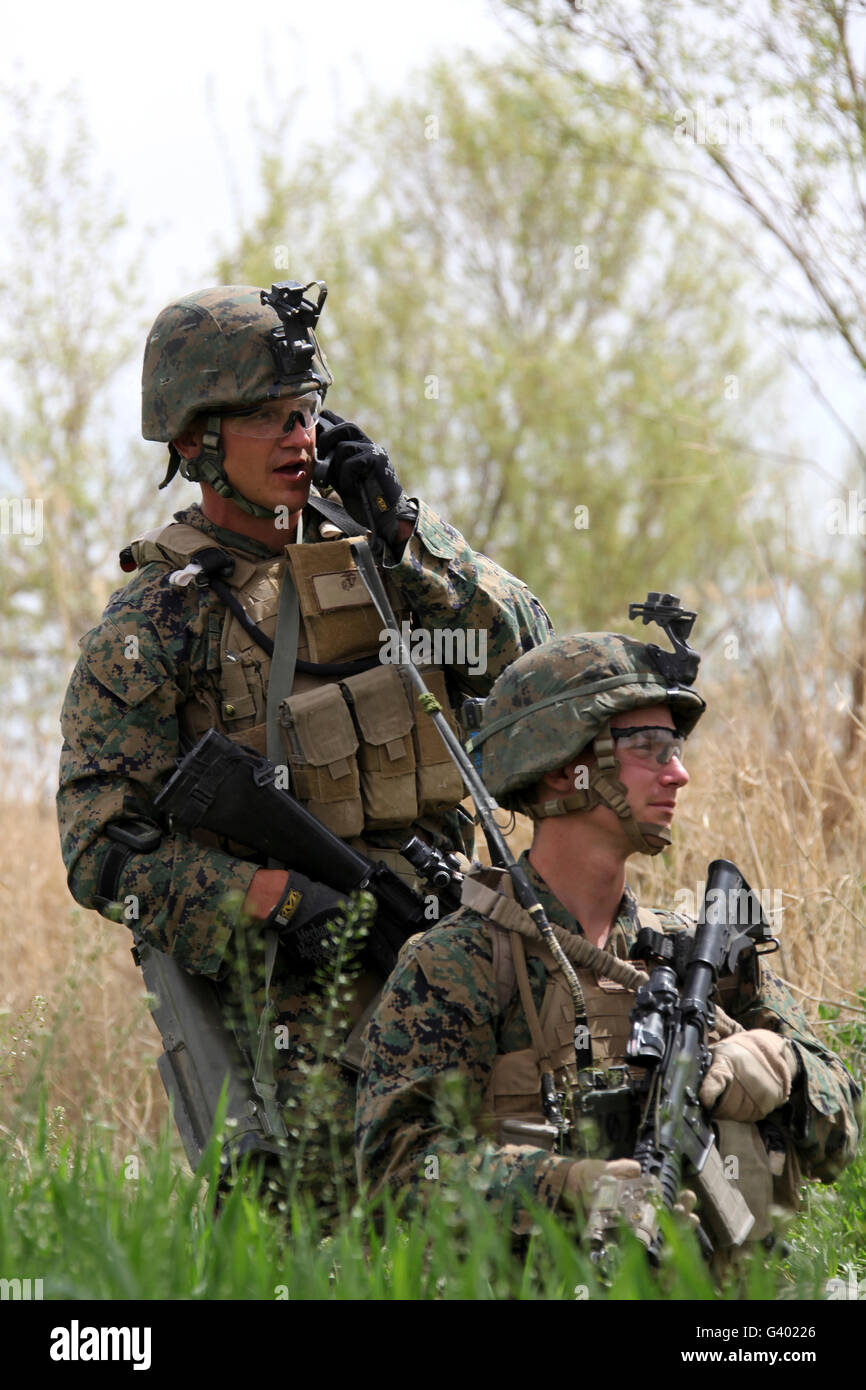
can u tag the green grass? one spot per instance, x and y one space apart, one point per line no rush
79 1221
93 1223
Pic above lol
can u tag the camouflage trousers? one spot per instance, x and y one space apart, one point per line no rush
315 1091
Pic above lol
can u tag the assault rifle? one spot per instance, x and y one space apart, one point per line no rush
672 1017
233 792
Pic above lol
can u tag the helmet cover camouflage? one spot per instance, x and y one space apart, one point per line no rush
210 351
550 703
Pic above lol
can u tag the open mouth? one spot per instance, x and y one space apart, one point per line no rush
293 471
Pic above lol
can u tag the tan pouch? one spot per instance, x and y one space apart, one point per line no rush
439 784
747 1166
340 621
386 755
321 744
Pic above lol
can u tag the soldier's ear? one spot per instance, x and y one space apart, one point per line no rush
188 444
561 779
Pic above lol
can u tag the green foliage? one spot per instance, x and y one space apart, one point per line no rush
831 1232
775 108
765 114
19 1037
77 1219
531 325
846 1034
832 1225
69 321
94 1222
96 1213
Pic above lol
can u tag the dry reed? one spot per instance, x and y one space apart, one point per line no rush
771 789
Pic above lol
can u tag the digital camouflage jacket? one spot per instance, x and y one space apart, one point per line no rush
155 649
442 1020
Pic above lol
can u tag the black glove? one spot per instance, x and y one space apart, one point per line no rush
301 918
363 475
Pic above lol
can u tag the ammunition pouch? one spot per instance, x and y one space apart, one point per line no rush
363 755
386 755
765 1177
321 745
340 621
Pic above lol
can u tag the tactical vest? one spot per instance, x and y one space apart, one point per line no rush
514 1088
361 754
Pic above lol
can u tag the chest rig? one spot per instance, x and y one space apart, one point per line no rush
359 754
596 1084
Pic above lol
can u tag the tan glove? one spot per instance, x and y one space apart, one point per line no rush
750 1076
584 1174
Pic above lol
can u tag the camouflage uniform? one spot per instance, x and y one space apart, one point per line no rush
440 1015
155 650
452 1007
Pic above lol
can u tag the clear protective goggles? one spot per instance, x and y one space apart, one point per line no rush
272 419
648 743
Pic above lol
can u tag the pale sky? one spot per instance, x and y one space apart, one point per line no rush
166 83
169 89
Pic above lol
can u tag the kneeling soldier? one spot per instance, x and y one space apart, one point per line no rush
585 735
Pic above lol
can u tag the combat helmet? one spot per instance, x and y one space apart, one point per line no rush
225 349
558 699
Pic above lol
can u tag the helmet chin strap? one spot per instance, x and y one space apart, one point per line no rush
207 467
605 789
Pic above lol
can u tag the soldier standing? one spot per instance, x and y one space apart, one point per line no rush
585 735
245 614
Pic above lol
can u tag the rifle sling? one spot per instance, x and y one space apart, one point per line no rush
508 913
280 682
263 1081
542 1053
283 662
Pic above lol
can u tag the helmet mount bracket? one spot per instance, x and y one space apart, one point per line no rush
681 665
293 345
